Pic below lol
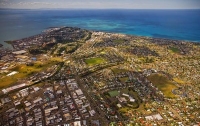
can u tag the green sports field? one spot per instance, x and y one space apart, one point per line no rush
94 61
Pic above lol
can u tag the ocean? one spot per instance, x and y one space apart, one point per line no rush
170 24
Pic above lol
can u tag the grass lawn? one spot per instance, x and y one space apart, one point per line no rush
113 93
123 79
24 71
41 84
178 81
124 109
117 71
103 52
94 61
56 59
174 50
163 84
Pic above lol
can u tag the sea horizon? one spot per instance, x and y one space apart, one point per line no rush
182 24
100 8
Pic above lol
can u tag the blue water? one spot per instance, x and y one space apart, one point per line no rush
171 24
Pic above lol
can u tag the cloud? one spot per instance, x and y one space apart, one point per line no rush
37 4
135 4
4 3
5 0
43 3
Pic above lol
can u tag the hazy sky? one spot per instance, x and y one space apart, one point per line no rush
102 4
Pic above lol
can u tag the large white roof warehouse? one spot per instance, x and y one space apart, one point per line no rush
12 73
19 52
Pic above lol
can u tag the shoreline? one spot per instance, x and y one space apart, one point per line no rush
165 40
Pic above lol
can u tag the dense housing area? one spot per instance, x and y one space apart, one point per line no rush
70 76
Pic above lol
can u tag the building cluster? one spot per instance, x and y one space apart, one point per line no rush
61 103
101 83
98 84
28 42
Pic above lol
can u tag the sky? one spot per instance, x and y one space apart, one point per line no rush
100 4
